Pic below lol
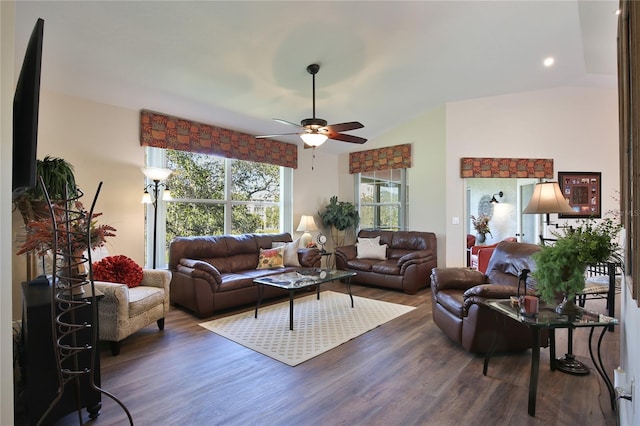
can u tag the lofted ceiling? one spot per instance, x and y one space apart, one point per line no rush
239 64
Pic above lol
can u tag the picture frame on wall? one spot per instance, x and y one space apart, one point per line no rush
583 192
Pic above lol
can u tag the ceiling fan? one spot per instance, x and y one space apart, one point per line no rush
315 131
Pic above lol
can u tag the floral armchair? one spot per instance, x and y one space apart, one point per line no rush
123 310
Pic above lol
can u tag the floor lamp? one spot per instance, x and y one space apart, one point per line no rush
156 175
547 198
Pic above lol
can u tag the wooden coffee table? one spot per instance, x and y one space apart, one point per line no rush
303 278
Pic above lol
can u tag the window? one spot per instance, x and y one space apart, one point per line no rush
212 195
382 199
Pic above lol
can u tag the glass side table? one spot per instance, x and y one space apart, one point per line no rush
548 319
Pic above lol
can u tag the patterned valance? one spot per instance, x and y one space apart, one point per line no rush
165 131
472 167
392 157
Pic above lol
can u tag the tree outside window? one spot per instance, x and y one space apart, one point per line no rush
208 189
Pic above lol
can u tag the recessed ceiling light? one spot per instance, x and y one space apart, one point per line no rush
548 61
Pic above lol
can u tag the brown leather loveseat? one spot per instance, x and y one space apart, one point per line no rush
457 293
406 266
211 273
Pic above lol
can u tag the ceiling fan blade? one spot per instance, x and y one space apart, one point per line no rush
274 136
343 127
346 138
288 123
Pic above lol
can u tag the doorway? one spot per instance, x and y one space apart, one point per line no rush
505 217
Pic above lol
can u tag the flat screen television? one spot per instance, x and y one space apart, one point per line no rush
26 103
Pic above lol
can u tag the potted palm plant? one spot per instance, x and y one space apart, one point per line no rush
341 216
58 177
560 268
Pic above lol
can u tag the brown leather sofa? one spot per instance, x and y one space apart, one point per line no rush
410 256
457 294
211 273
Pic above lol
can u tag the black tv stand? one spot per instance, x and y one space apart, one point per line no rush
39 367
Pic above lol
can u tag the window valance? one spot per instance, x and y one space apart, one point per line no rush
392 157
477 167
165 131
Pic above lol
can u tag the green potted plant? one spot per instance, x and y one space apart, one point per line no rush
58 177
560 267
341 216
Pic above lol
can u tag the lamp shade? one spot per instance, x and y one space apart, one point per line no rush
146 197
156 173
313 139
307 224
547 198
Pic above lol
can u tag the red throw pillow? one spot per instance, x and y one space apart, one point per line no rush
118 269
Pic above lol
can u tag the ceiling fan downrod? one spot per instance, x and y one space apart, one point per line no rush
313 124
313 70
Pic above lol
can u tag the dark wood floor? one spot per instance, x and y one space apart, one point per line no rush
405 372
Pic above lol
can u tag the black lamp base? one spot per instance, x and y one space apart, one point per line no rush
570 365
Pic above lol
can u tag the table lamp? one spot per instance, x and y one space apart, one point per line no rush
306 224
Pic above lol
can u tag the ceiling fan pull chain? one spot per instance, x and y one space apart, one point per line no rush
313 157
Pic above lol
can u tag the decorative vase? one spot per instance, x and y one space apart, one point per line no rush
481 238
567 307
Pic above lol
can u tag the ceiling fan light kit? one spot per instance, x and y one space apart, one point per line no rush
315 131
313 139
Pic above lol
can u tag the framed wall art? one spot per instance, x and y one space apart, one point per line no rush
583 192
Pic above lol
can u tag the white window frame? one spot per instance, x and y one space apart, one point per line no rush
403 204
156 157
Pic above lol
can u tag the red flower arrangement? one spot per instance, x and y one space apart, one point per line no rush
118 269
40 232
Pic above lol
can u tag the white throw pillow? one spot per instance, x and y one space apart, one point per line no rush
372 241
291 253
370 251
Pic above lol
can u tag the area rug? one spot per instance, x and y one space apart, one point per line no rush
319 325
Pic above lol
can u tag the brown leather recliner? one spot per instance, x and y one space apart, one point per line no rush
457 295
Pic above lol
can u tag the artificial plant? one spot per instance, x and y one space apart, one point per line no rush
341 216
560 267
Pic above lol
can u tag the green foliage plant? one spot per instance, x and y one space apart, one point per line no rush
200 181
560 267
58 177
340 216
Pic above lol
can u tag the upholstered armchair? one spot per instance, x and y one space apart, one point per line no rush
123 310
458 295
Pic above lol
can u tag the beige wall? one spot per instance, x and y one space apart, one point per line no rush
425 179
314 183
576 127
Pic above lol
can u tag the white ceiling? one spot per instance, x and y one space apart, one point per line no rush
238 64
